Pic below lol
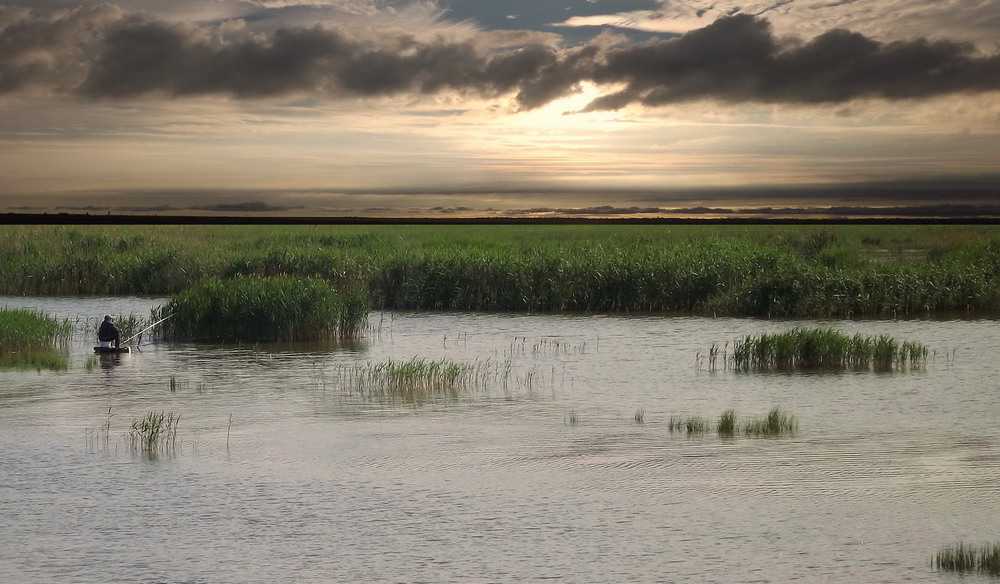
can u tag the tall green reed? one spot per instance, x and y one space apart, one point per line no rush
822 348
964 557
155 433
280 308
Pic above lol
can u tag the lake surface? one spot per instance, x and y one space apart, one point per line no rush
282 471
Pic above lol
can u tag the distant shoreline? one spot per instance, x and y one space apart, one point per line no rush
121 219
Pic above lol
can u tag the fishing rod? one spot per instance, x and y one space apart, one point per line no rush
147 328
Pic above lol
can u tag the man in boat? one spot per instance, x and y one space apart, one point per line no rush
109 333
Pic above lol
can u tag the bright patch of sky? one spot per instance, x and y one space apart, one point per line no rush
412 104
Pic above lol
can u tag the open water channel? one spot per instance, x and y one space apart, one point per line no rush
282 472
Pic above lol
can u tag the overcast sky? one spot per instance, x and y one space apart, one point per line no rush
478 107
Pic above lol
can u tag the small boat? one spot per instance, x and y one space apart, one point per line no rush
112 350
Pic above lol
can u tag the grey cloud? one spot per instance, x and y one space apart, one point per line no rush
738 59
142 57
102 53
40 50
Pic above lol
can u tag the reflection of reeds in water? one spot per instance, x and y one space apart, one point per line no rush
969 558
822 349
155 433
776 423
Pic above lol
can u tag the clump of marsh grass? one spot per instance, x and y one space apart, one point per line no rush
776 423
274 309
414 380
640 416
727 423
155 433
690 425
29 340
964 557
825 349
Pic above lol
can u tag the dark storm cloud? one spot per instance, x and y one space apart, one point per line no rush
43 50
103 53
738 59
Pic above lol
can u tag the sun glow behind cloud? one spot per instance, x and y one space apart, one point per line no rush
284 100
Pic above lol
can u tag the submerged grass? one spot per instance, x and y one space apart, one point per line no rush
275 309
776 423
964 557
842 271
822 348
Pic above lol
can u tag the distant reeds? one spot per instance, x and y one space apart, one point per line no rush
776 423
822 348
29 340
964 557
155 433
768 271
276 309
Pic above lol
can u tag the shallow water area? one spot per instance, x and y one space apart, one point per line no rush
559 466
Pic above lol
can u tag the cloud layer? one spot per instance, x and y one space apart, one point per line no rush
102 52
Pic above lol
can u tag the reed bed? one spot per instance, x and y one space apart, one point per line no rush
776 423
964 557
31 340
822 348
155 433
275 309
776 271
27 329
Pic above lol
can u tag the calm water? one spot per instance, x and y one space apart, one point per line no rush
283 473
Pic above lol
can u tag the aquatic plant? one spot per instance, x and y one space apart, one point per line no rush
690 425
822 271
29 340
28 329
823 348
274 309
155 433
964 557
640 416
776 423
727 423
413 380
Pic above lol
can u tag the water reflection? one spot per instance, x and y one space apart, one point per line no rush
494 485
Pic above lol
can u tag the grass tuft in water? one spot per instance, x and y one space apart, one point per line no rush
690 424
819 348
727 423
640 416
155 433
964 557
776 423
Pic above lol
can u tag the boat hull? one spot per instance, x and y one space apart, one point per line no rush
112 350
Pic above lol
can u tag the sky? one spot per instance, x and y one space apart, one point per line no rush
418 108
